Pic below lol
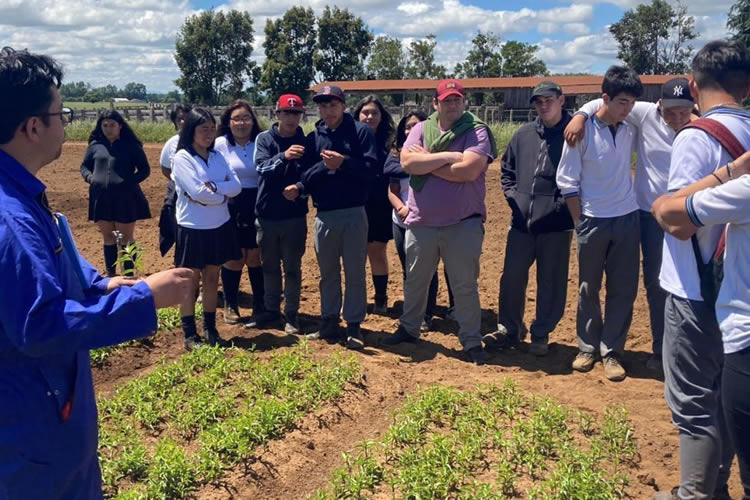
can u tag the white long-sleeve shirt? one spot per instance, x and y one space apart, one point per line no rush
730 204
597 170
168 152
241 159
654 140
198 207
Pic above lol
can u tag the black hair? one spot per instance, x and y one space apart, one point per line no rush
184 108
385 131
621 80
225 129
25 81
197 117
401 128
723 65
126 133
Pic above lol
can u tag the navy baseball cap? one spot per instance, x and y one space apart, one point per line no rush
676 92
327 92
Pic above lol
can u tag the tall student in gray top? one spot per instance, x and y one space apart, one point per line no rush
541 227
594 177
656 125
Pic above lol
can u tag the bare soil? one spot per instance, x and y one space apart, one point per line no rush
299 464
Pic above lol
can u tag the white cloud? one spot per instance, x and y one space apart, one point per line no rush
413 8
694 7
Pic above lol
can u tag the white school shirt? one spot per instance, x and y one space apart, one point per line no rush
695 155
654 140
730 203
241 159
168 151
197 206
597 169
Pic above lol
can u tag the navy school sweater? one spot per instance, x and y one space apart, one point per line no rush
347 186
275 173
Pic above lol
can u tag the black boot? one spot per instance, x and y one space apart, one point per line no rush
209 330
192 340
230 280
380 282
259 290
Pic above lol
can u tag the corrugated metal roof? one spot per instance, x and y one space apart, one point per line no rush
590 84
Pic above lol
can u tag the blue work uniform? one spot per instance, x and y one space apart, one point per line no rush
53 309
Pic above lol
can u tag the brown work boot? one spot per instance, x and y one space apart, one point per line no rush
613 369
584 361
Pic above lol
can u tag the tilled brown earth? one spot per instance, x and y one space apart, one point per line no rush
300 463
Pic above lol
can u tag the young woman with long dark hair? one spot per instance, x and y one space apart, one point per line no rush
114 165
372 112
238 128
206 235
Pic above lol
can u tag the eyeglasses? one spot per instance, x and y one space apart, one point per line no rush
242 119
66 115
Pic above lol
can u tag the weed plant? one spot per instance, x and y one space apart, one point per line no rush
446 444
187 422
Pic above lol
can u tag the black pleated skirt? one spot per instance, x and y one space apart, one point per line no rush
123 205
198 248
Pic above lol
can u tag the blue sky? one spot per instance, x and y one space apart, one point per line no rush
110 41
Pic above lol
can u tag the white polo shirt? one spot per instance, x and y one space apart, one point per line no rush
198 207
168 151
597 170
241 159
730 203
654 138
695 155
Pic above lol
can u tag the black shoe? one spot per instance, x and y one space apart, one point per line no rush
265 319
291 325
426 325
354 338
500 340
193 342
400 337
213 338
477 355
329 330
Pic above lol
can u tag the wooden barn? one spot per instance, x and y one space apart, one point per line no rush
515 91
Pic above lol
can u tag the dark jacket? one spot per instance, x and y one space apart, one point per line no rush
347 186
275 173
119 165
527 173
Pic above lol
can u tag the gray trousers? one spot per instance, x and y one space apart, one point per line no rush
282 241
341 235
652 241
551 251
606 245
460 246
693 359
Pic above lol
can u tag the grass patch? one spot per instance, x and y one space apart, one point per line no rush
166 434
167 318
493 443
158 132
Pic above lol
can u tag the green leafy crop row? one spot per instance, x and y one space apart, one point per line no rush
494 443
183 425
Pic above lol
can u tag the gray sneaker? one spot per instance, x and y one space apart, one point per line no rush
584 362
291 325
613 369
231 315
193 342
329 330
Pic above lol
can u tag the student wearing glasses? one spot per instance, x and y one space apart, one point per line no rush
238 128
114 166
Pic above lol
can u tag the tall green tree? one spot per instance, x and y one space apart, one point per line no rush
484 59
387 59
654 38
519 59
344 42
74 91
134 90
422 59
290 51
213 52
738 21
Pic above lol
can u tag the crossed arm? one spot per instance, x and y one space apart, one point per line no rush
448 165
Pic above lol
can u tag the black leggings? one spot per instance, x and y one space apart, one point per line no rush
736 402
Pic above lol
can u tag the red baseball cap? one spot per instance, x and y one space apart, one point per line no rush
449 87
290 102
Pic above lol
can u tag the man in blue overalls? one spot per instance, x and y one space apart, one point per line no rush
54 306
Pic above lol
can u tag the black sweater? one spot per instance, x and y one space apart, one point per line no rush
118 166
528 171
347 186
275 173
